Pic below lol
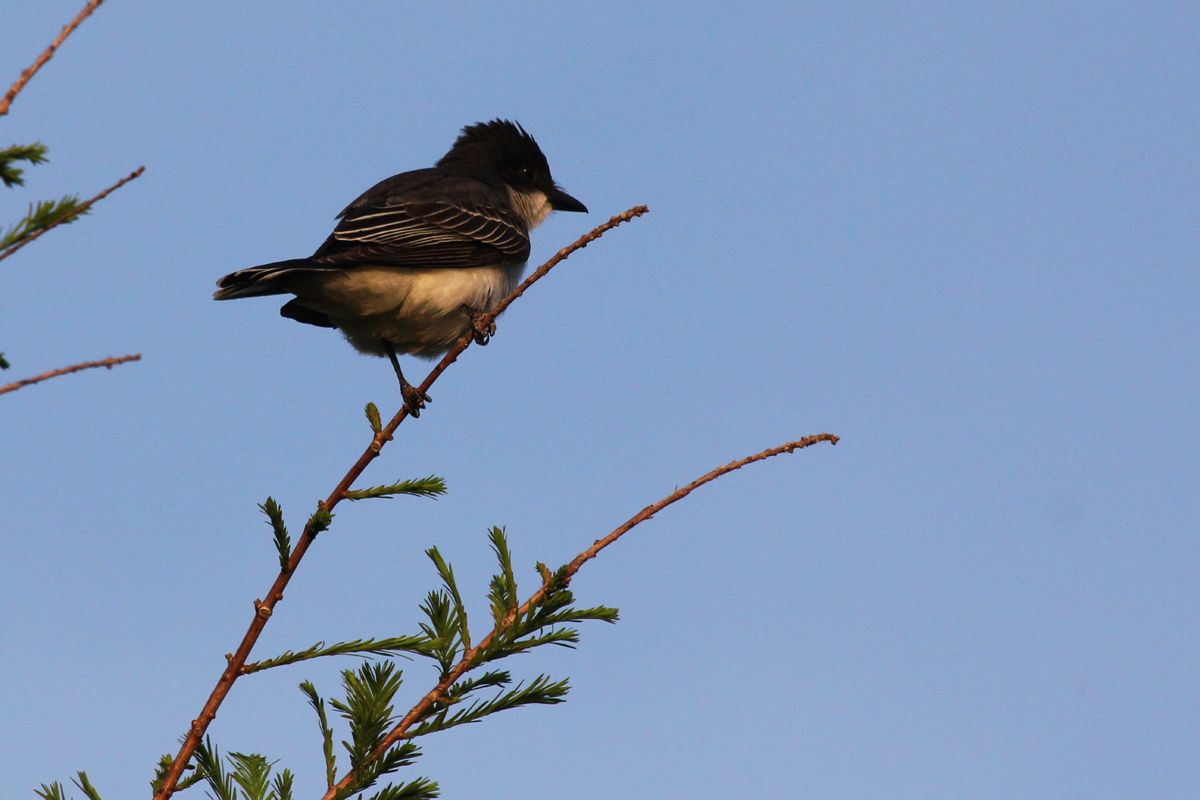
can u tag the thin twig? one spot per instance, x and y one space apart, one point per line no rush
46 55
45 376
465 664
75 212
265 608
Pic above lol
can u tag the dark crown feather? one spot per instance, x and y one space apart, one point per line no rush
489 143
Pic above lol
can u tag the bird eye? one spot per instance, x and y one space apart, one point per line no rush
527 172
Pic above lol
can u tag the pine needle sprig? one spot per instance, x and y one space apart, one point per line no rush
368 706
446 572
541 691
320 520
419 789
15 176
252 772
283 542
503 594
208 764
488 680
400 755
432 486
368 709
558 609
442 630
249 772
43 215
518 633
563 637
318 705
85 786
283 785
373 419
363 648
55 790
160 774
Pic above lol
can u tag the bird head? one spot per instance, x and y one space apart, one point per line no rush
505 150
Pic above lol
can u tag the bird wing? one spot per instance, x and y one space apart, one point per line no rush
426 233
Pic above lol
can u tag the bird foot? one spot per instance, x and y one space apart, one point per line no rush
483 326
414 398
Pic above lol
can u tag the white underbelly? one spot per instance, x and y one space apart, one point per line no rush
420 311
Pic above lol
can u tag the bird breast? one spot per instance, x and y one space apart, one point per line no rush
420 311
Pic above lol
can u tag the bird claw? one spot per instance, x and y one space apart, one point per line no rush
483 326
414 399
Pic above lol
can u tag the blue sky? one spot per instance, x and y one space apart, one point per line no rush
963 237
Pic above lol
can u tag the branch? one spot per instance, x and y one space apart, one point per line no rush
46 55
555 583
45 376
73 213
264 609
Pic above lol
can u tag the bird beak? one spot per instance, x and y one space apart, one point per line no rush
561 201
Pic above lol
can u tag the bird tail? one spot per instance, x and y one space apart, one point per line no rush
260 281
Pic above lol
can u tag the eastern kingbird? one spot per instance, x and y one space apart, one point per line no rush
419 257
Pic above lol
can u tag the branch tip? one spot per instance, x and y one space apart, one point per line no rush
107 362
46 55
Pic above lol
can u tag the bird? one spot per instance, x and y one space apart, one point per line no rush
413 264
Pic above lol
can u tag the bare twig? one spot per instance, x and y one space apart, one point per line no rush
46 55
45 376
75 212
264 609
466 663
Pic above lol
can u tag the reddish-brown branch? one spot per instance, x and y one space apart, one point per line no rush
46 55
79 209
45 376
264 609
465 665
